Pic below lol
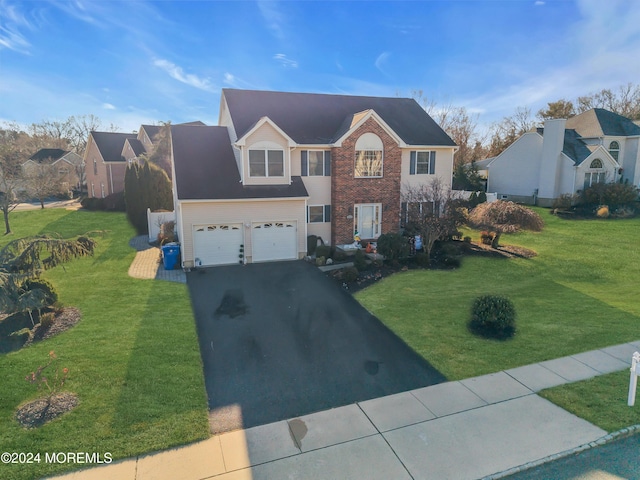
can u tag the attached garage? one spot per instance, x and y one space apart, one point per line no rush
217 244
274 241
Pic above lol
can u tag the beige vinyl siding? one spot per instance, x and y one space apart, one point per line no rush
246 212
444 166
266 135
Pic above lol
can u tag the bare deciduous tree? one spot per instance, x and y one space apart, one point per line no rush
42 180
428 211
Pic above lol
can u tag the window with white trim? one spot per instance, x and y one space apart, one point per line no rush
266 163
614 150
596 173
316 163
422 162
369 158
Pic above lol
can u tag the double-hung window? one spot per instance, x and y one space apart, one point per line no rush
319 213
266 163
422 163
315 163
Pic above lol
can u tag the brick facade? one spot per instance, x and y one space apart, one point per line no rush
347 191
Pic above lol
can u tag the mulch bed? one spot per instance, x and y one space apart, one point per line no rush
63 321
375 273
42 410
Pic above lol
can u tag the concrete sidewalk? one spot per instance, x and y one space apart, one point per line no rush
468 429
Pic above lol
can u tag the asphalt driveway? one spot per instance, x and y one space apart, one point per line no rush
280 340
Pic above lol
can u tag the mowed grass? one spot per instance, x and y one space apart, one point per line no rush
578 294
133 359
599 400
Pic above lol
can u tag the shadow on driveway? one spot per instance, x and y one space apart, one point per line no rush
280 340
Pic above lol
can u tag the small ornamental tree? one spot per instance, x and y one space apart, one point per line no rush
23 259
504 217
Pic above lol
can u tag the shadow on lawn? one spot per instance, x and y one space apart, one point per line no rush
162 399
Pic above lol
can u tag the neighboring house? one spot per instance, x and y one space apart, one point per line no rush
105 163
282 166
565 157
108 154
66 163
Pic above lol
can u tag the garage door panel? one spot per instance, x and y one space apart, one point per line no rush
274 241
217 244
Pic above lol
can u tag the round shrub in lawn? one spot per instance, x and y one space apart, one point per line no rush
493 316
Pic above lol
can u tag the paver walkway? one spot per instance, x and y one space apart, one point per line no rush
467 429
148 263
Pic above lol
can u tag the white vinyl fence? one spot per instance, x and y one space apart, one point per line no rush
155 219
464 194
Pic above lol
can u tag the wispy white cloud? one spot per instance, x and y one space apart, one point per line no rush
284 61
177 73
108 106
539 3
381 60
274 17
12 23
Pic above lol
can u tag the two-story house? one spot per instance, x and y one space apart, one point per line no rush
566 156
66 164
281 166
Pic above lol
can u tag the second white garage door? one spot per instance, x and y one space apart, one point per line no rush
217 244
274 241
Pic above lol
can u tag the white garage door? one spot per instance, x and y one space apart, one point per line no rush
217 244
274 241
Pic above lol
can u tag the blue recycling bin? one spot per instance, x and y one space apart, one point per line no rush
170 253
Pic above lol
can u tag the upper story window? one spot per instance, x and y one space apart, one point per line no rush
614 150
266 163
422 163
369 159
95 167
597 163
315 163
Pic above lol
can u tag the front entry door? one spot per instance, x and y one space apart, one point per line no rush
367 221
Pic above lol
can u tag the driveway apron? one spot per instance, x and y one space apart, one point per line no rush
280 340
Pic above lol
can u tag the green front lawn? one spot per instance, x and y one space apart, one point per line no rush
134 359
599 400
578 294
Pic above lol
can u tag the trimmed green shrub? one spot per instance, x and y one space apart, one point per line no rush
350 274
339 255
115 202
323 251
92 203
320 261
612 194
359 260
451 261
393 246
146 186
482 197
493 316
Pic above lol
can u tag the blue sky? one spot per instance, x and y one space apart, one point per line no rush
133 62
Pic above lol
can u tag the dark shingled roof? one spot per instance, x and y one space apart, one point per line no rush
49 154
151 130
310 118
599 122
574 147
137 146
206 168
111 144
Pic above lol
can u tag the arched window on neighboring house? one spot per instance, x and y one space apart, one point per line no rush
596 173
614 150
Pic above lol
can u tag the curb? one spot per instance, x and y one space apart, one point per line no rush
623 433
